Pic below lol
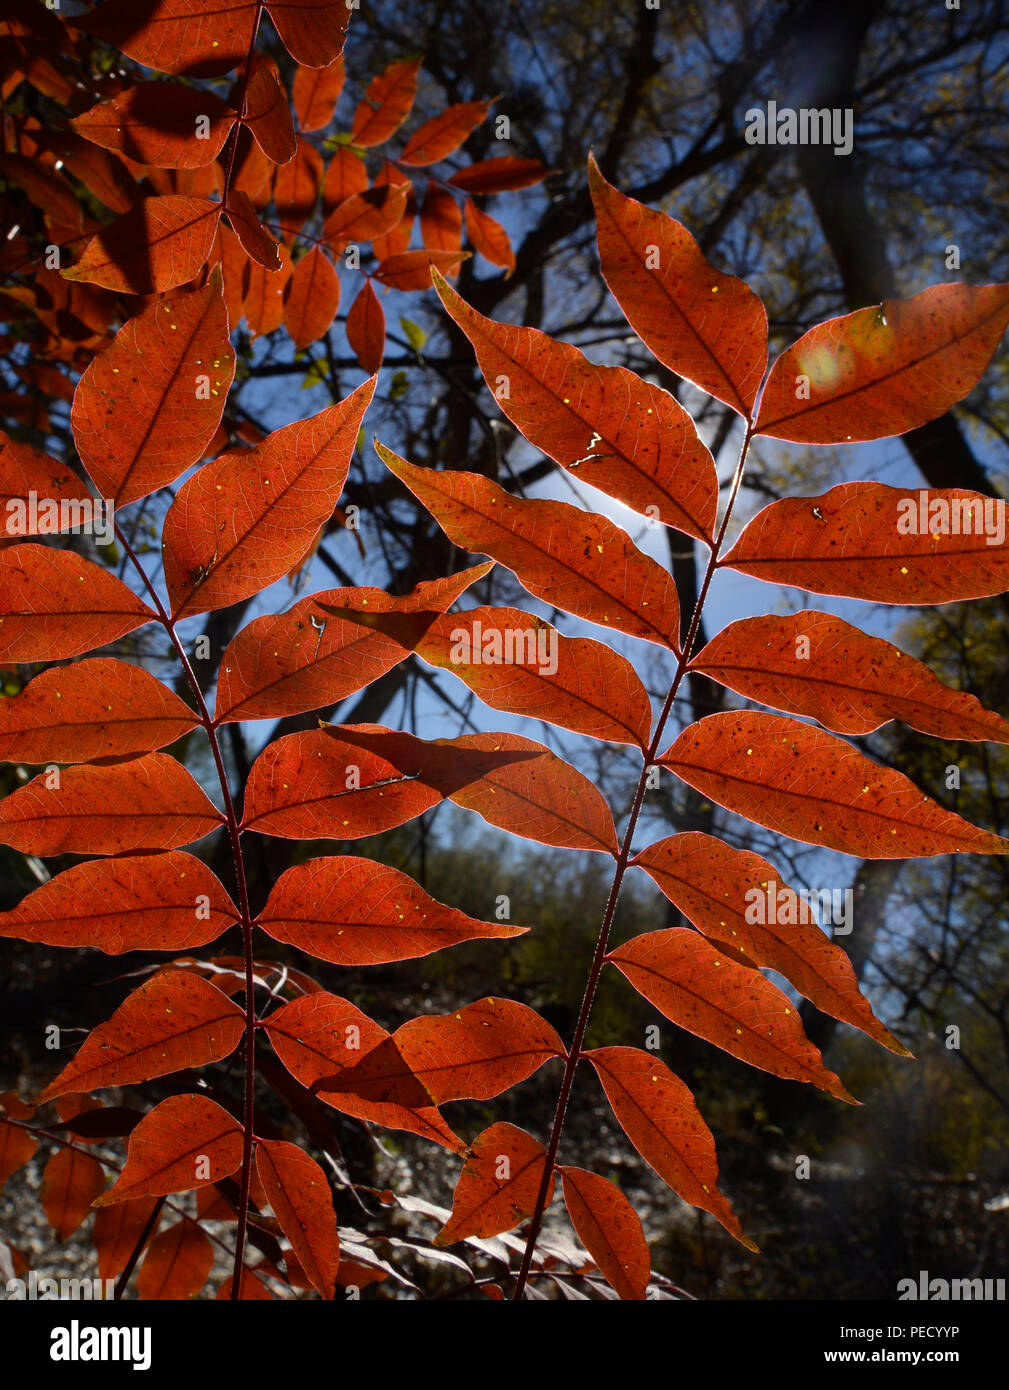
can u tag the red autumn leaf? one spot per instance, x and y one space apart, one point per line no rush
268 115
115 1233
366 329
814 664
263 296
71 1181
518 663
605 425
311 298
364 216
489 237
355 912
17 1145
246 520
478 1051
723 891
659 1116
252 234
296 189
505 174
149 803
412 270
609 1228
312 31
185 1142
733 1006
55 604
578 561
884 370
316 92
94 709
157 246
443 134
160 123
386 104
173 1021
345 176
310 656
440 220
162 902
812 786
299 1193
147 408
498 1185
346 782
177 36
870 541
24 470
315 1035
701 323
177 1264
540 798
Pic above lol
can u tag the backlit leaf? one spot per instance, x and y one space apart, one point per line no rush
498 1185
71 1181
489 237
177 1264
185 1142
609 1228
366 329
311 299
159 123
299 1193
501 175
312 31
316 92
157 246
268 115
178 36
386 104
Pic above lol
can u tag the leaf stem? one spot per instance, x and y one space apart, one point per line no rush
622 860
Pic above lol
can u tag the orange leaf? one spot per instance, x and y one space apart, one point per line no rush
440 220
115 1233
443 134
149 803
489 237
540 798
386 104
160 123
310 656
357 779
870 541
364 216
24 470
317 1033
17 1145
147 408
659 1116
162 902
814 664
299 1193
520 664
884 370
366 329
54 604
608 1227
345 176
730 1005
178 36
246 520
804 783
183 1143
263 297
722 890
157 246
254 237
71 1181
701 323
268 115
578 561
173 1021
110 710
498 1185
355 912
296 189
502 175
412 270
605 425
312 298
316 92
312 31
177 1264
